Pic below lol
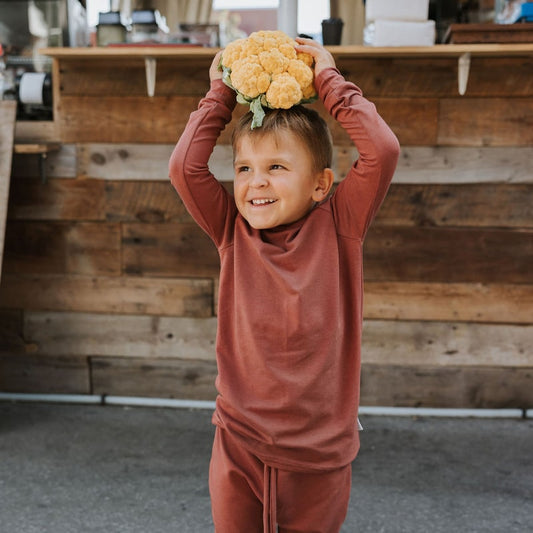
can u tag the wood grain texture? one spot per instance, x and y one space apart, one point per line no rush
486 122
161 378
435 254
80 334
384 341
467 206
390 342
169 250
423 77
57 199
121 295
449 387
45 375
465 302
7 132
63 248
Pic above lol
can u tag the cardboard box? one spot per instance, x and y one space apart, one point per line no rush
404 33
415 10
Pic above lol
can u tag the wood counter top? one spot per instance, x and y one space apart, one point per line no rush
161 51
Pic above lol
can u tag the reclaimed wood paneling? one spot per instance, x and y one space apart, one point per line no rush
125 161
396 253
384 341
417 164
30 131
109 269
445 344
447 387
62 248
57 199
126 77
462 165
168 250
96 200
416 121
468 205
7 133
46 375
121 295
124 119
81 334
423 77
59 163
11 332
162 378
149 202
465 302
482 122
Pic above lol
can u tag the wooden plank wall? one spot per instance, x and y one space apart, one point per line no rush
110 288
7 132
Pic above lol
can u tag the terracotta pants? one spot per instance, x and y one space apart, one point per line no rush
248 496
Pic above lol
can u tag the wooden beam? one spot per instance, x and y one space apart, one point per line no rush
447 387
462 302
88 248
8 112
162 378
101 294
384 341
46 375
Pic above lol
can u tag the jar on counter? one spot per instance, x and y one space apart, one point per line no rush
148 25
110 29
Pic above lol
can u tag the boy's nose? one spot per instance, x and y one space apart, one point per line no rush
258 180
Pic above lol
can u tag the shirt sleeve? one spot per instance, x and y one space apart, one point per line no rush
205 198
359 195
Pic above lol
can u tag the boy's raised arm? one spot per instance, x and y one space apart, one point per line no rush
361 193
204 197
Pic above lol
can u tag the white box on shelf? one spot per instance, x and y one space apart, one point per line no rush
397 9
404 33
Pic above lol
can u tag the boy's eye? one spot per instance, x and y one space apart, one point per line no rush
243 169
276 167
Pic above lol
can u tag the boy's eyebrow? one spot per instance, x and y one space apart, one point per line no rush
272 160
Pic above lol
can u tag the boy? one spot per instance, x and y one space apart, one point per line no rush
290 300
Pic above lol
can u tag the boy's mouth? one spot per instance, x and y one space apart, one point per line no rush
262 201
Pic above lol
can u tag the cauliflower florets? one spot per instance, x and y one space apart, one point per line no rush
273 61
284 91
249 77
266 70
233 52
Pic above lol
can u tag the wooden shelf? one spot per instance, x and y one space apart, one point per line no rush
438 50
150 55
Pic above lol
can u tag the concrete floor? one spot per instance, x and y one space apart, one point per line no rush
88 468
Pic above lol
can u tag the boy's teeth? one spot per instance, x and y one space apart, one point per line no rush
262 202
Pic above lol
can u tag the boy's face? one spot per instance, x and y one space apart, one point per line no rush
275 182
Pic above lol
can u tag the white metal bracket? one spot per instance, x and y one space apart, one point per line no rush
463 71
150 65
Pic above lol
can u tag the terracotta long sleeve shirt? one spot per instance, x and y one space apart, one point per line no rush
288 345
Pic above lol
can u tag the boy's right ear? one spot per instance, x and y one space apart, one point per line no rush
324 183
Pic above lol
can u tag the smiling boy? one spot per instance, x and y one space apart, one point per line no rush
290 299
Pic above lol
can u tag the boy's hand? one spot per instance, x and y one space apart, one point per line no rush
214 70
323 59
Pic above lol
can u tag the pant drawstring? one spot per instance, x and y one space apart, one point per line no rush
270 500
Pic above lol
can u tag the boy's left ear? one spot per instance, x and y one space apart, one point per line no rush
324 183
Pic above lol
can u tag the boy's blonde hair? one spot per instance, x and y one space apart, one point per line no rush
301 121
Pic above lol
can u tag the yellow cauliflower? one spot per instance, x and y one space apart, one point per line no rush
249 77
266 71
284 91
